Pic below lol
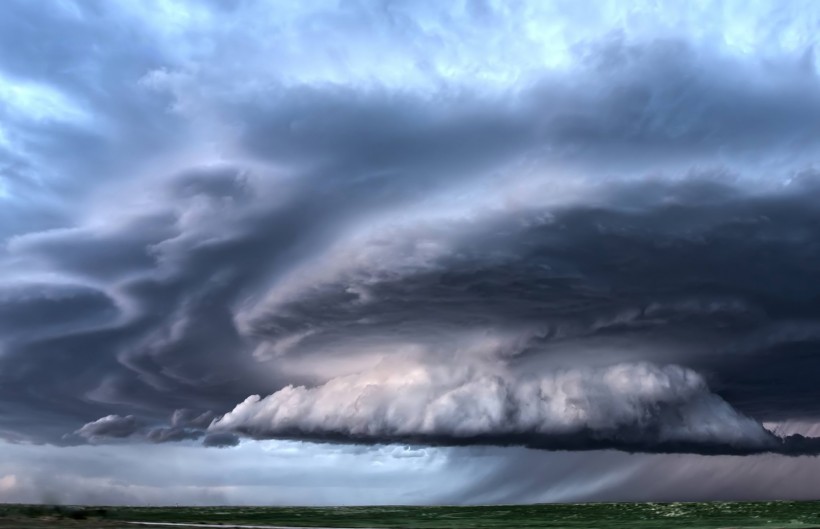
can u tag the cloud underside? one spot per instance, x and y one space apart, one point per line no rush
619 253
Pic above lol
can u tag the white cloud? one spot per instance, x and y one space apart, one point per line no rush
631 403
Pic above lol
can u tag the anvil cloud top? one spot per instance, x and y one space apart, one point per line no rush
465 251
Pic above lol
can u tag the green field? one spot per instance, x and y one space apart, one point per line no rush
604 515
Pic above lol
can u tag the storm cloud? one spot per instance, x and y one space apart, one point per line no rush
447 226
622 405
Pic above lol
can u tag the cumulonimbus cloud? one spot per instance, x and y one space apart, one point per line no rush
640 407
110 427
345 218
185 425
545 226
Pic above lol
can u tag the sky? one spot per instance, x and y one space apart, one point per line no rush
409 252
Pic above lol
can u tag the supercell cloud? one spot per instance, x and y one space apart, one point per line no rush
559 226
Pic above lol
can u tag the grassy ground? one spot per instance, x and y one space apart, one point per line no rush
608 515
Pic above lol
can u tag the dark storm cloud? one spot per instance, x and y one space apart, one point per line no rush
110 426
27 307
190 418
319 255
220 440
627 106
704 261
184 425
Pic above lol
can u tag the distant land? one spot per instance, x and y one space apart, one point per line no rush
707 515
